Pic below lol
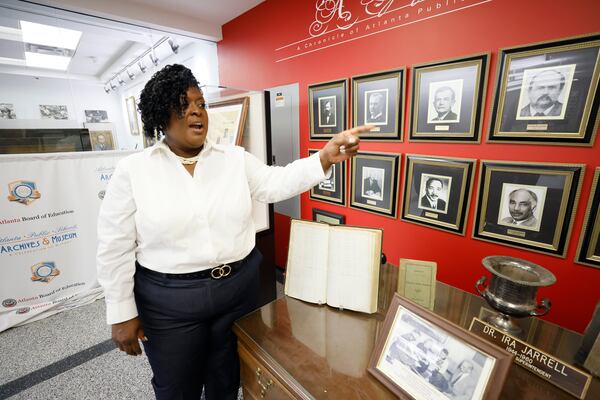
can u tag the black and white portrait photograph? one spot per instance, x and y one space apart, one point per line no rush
327 109
422 355
53 112
377 99
327 113
376 107
374 182
547 93
522 206
332 189
437 191
447 100
588 251
527 205
329 183
94 116
7 111
434 192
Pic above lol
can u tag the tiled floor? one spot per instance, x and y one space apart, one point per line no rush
70 356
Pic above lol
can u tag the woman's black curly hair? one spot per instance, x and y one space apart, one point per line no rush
163 94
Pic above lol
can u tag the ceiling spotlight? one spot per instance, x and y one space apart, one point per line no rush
107 90
120 80
112 85
174 46
142 66
154 59
130 74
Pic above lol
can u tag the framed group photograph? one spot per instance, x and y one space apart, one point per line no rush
327 109
527 205
332 189
547 93
228 121
423 356
588 251
378 99
132 115
374 183
328 217
437 191
95 116
447 100
51 111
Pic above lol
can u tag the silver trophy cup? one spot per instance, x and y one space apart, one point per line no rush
512 291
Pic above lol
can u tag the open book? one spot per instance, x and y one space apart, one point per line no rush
334 264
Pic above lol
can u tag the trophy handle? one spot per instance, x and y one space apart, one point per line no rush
544 307
481 282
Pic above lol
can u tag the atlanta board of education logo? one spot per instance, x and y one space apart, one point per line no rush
23 310
24 192
44 272
9 303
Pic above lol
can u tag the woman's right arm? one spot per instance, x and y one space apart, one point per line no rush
115 259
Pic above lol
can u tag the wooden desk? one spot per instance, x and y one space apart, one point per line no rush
290 349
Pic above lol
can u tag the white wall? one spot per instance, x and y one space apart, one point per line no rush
26 93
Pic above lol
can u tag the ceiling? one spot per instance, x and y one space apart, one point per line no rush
107 46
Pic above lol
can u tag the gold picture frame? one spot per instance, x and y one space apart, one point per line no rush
132 115
327 108
228 120
588 250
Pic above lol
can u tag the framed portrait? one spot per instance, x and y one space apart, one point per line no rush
527 205
378 99
50 111
547 93
102 140
447 100
328 217
228 121
588 251
420 355
374 183
327 109
132 115
437 191
332 189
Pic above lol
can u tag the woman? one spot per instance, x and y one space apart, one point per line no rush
176 251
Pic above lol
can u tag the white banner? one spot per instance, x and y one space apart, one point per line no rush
48 213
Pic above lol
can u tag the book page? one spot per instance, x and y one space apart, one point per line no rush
306 272
353 275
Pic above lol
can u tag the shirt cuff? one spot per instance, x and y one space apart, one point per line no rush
121 311
319 168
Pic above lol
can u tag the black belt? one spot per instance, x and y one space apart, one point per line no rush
219 272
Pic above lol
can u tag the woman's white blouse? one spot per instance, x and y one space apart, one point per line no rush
156 212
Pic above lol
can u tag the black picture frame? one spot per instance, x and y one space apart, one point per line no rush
327 217
444 204
327 108
447 100
527 205
557 80
374 183
332 190
378 99
588 250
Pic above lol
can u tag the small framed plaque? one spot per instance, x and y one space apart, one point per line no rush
332 189
420 355
328 217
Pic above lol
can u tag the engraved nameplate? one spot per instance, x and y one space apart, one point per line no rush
515 233
431 215
442 127
537 127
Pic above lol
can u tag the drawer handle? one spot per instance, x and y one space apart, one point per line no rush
263 386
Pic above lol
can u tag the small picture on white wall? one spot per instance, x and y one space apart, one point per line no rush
93 116
53 112
7 111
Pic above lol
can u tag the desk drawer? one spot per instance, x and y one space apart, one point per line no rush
258 381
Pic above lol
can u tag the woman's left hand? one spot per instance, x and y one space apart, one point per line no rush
342 146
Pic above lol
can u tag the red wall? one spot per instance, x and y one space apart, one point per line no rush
247 58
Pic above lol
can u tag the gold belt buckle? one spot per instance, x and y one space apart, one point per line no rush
220 272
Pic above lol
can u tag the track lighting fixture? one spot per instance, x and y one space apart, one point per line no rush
154 59
107 90
130 74
120 80
174 46
142 66
112 85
